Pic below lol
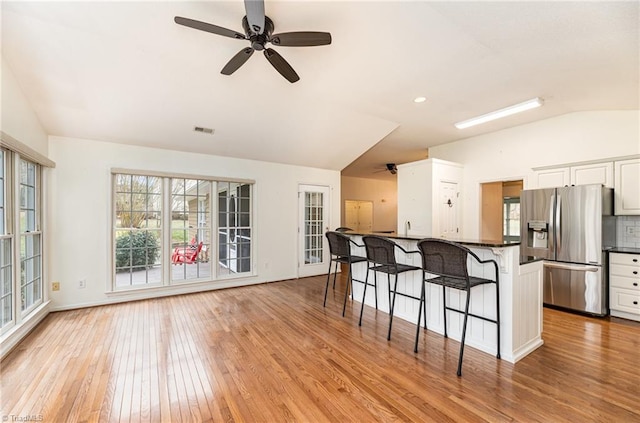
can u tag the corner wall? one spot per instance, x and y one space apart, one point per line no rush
17 118
511 153
80 209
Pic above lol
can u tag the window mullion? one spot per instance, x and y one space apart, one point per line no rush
214 229
167 211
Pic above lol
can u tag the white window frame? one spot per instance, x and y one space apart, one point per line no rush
7 234
36 232
166 281
12 209
199 230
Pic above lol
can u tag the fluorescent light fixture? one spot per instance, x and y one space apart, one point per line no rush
420 99
516 108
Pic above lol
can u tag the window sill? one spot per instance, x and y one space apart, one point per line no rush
182 288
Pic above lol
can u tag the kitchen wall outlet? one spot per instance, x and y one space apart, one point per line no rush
82 283
630 230
55 286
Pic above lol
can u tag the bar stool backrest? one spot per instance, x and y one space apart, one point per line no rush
343 229
339 244
380 250
444 258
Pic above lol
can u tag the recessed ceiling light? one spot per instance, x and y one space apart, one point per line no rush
203 130
420 99
516 108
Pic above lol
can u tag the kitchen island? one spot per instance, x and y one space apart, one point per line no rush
520 296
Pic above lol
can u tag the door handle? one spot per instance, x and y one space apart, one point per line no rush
572 267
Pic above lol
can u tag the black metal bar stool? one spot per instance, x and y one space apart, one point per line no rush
340 249
448 262
382 258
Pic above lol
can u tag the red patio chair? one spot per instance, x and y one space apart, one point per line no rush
186 255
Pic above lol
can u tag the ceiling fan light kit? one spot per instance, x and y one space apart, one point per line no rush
258 30
497 114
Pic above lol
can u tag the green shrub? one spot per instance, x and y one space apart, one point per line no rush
136 249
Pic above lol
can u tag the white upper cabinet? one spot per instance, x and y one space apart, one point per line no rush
429 199
593 173
627 187
551 178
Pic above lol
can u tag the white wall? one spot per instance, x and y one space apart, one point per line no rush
510 154
17 117
383 194
80 208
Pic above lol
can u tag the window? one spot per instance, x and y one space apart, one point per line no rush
189 227
22 292
6 270
234 227
313 221
30 236
138 230
511 219
146 255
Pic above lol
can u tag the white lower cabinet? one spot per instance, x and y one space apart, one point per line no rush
624 285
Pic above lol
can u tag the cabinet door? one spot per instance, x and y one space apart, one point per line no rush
552 178
627 186
597 173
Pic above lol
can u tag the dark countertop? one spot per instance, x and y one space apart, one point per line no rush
471 242
626 250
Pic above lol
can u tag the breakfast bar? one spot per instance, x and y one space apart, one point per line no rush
520 296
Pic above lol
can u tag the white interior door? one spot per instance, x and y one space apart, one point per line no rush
449 207
365 216
358 215
351 214
313 249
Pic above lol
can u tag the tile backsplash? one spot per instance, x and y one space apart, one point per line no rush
628 231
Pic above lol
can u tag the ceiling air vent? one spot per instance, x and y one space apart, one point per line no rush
203 130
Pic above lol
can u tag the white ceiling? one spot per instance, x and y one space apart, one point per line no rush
125 72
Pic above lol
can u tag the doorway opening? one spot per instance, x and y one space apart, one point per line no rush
500 210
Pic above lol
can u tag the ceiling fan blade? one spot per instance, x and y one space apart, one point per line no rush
207 27
237 61
281 65
301 39
255 15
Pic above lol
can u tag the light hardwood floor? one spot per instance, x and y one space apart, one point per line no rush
272 353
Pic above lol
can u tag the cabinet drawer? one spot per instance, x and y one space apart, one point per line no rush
628 259
623 270
625 300
632 284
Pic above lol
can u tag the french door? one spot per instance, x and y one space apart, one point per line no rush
313 222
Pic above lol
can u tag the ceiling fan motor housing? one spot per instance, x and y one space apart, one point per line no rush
258 40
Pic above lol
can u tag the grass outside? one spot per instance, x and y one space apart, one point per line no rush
179 229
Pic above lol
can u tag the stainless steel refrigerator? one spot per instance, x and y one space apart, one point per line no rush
570 228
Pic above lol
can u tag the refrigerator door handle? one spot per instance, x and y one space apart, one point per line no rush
552 227
577 267
558 224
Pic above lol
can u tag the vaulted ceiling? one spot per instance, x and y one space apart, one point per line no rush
125 72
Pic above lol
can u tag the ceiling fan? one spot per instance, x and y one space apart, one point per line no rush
390 167
258 30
